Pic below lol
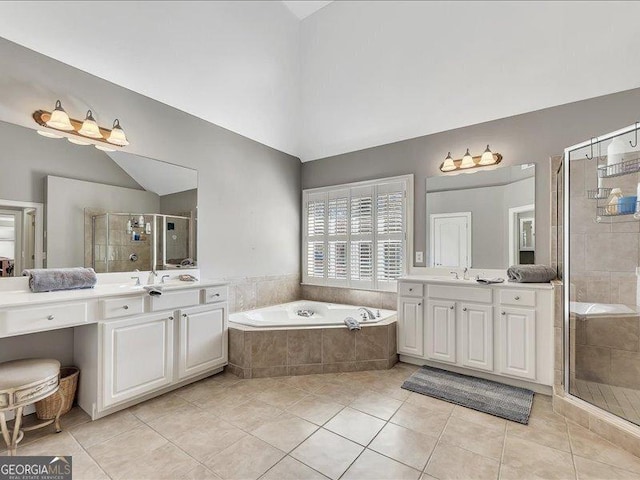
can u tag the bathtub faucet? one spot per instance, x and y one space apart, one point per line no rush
367 314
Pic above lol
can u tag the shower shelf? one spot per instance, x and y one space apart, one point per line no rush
612 211
599 193
618 169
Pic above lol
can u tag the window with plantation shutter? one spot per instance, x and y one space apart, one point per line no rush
356 234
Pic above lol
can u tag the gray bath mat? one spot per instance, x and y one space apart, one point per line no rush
505 401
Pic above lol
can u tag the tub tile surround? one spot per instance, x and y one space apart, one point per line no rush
249 293
371 435
278 352
350 296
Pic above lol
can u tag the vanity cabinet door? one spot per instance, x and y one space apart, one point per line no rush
137 356
410 326
202 340
476 330
518 342
440 335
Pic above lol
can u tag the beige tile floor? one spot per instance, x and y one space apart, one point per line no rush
349 426
624 402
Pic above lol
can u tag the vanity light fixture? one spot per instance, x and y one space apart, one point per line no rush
85 132
117 136
467 161
89 127
448 165
59 118
488 158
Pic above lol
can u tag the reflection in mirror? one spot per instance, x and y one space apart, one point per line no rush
483 219
65 205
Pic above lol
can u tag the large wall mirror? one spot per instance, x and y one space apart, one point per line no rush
484 219
64 205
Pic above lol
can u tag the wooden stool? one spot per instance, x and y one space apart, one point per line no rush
23 382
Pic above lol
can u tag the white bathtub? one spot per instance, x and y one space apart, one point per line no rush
593 309
287 315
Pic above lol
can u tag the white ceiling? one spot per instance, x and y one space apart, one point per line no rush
160 178
302 9
352 75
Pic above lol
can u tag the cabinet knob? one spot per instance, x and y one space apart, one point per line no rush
411 289
215 295
170 318
185 315
50 317
517 298
126 307
451 307
503 313
420 303
464 309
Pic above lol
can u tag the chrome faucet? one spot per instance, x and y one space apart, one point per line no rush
466 273
152 277
137 279
367 314
456 274
163 277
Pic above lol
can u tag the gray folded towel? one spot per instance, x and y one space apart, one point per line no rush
352 323
531 273
489 281
52 279
153 291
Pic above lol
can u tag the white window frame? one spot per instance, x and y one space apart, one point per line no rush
332 191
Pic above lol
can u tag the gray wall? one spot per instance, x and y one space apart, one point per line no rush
249 195
66 202
27 158
180 202
529 138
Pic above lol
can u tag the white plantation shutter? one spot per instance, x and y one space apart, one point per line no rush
315 255
390 220
355 235
362 237
337 237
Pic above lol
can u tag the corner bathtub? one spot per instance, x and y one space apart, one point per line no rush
276 341
289 315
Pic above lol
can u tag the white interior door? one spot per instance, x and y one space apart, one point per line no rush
450 240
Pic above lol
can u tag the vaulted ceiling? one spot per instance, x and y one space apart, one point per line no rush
316 79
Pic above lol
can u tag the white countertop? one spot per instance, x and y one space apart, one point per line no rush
450 280
16 298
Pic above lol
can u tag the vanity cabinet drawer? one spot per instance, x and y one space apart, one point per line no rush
410 289
525 298
468 294
122 307
25 320
175 300
215 294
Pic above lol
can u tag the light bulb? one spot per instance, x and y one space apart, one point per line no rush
467 161
90 127
59 118
487 157
448 164
44 133
117 136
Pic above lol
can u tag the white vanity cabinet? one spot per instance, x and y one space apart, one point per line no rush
440 334
137 356
202 339
501 330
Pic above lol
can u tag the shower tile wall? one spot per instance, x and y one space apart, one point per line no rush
604 256
119 247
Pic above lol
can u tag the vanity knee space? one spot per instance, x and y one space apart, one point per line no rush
500 331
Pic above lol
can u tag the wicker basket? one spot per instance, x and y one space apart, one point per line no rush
47 408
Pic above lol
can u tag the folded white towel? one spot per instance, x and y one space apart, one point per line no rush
352 323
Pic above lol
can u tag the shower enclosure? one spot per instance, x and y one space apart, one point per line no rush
598 202
125 242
